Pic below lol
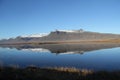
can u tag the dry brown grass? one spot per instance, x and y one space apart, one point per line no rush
71 70
57 73
69 42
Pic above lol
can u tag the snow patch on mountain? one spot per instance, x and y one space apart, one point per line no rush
36 35
71 31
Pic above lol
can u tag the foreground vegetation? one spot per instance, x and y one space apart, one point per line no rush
34 73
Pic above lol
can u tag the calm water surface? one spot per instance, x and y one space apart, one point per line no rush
103 59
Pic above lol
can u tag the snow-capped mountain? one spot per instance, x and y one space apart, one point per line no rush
46 34
61 36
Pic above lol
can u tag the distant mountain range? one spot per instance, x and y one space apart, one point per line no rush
61 36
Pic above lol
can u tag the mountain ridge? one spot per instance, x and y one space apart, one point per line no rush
63 36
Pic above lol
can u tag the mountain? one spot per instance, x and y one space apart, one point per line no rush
62 36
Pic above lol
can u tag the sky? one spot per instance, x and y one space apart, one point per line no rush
24 17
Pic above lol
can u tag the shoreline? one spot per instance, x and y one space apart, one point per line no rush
66 42
35 73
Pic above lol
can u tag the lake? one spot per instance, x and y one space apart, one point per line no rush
83 56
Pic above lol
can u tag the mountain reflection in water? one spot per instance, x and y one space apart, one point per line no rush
63 48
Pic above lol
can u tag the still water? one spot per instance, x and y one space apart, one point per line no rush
96 59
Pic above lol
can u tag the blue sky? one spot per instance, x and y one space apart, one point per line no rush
21 17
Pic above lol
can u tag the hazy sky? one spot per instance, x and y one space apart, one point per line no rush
21 17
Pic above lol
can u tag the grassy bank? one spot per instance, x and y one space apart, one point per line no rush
67 42
34 73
